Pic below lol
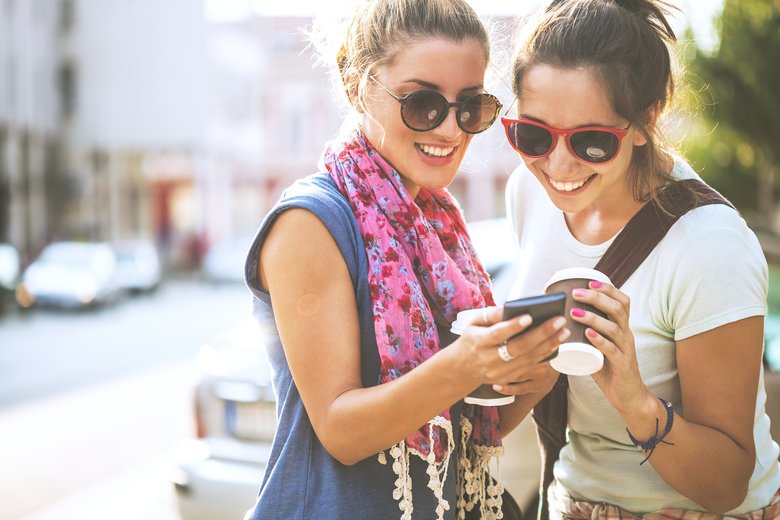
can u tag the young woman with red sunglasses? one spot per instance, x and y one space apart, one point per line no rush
361 269
592 79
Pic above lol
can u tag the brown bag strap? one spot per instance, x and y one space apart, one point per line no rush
646 229
627 252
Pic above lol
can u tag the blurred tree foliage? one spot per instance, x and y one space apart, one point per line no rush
735 136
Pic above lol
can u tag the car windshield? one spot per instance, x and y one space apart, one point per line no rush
70 255
125 256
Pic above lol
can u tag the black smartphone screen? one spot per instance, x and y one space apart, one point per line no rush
541 308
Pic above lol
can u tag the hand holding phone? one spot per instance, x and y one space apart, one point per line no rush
541 308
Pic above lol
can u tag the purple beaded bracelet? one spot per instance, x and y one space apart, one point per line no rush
655 440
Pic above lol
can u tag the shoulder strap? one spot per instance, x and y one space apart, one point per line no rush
627 252
646 229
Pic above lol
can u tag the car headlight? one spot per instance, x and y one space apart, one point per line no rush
24 298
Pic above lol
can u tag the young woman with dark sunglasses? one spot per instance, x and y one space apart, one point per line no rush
681 384
361 270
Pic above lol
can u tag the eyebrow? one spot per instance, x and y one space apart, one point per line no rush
434 86
532 118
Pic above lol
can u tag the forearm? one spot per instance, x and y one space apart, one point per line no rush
512 415
363 421
718 483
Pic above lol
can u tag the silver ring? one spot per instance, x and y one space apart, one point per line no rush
503 352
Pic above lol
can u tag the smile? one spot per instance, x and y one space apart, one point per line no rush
435 151
569 185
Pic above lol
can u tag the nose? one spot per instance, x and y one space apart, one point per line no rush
561 161
449 129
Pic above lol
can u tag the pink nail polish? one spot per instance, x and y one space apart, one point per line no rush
578 293
594 284
591 333
577 312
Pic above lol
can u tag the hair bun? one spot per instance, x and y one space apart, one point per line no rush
634 6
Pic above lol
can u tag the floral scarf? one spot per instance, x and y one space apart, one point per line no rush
422 271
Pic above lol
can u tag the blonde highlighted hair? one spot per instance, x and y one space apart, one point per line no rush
374 31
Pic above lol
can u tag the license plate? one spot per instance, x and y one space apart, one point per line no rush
251 421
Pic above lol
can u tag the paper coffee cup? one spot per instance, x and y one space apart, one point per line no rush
464 319
484 395
576 357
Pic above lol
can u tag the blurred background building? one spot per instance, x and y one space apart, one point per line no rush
102 114
172 122
140 119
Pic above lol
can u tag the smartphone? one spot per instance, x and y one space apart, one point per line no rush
541 308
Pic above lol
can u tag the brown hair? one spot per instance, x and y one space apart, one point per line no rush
375 31
626 44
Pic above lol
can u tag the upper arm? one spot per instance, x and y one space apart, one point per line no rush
315 309
717 298
719 374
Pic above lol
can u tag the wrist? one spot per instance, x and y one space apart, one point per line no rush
459 368
640 421
649 445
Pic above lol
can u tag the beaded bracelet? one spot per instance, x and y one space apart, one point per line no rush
655 440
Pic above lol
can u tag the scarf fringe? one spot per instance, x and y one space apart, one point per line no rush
474 482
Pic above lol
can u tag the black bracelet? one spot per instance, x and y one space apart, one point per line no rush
655 440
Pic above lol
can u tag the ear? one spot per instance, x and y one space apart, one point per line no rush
354 99
652 119
352 91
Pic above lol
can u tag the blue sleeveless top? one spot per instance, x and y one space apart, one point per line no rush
302 480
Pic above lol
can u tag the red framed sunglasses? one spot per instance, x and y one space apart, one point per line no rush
592 144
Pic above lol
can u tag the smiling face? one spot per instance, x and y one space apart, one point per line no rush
573 98
423 159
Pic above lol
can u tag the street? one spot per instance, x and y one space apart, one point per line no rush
92 404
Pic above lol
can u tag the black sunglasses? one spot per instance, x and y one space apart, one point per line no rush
424 110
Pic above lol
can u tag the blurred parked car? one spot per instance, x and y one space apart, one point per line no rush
138 265
70 274
220 471
224 260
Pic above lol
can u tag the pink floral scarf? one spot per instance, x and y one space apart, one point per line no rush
422 271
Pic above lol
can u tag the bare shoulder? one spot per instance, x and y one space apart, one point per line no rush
298 242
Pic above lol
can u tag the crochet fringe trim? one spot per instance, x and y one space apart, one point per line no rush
474 483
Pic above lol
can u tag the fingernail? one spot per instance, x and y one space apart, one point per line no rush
559 323
590 332
525 320
578 293
594 284
565 333
498 388
577 312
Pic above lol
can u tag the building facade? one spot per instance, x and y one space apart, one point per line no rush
147 119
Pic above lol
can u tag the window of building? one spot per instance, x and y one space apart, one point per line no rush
67 15
67 89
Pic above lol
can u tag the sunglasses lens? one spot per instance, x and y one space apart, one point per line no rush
595 146
530 139
424 110
477 113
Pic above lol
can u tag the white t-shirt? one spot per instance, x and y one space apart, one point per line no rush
708 270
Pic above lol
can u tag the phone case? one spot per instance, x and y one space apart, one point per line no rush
541 308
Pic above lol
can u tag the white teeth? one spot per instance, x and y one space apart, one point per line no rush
567 186
435 151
